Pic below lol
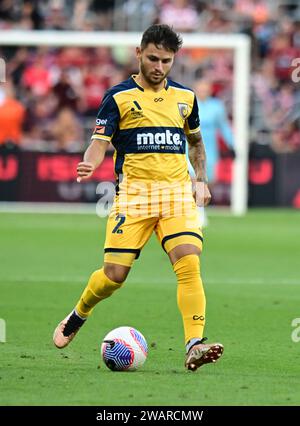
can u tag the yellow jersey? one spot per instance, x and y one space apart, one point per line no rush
148 130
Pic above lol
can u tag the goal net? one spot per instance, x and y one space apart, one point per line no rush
237 44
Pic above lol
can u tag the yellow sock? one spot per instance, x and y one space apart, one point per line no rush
190 296
99 287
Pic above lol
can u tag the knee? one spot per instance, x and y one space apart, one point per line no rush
116 273
191 250
183 250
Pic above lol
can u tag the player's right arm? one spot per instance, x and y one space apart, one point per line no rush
92 158
106 124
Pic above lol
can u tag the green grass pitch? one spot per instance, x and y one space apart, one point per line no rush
250 269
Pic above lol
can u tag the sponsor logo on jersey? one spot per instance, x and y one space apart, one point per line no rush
159 141
99 130
101 122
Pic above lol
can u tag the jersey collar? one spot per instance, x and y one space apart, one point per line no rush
142 89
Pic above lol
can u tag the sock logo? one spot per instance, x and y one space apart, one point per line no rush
195 317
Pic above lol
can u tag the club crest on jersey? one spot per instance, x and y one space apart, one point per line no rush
183 109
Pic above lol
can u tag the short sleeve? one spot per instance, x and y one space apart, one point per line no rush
192 124
108 118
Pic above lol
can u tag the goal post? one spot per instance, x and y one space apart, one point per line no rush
240 45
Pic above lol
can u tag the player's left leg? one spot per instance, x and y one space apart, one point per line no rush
191 303
183 248
190 293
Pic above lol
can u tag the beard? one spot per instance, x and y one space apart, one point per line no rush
150 77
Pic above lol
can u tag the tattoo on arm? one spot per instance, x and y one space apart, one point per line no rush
197 156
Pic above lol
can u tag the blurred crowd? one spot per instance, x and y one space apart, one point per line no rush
51 95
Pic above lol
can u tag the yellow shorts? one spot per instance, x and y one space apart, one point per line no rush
127 235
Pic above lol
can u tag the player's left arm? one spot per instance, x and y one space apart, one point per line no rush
197 155
197 158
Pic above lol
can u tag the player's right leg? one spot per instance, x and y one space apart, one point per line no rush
101 285
125 236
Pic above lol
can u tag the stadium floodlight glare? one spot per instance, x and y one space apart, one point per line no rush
239 43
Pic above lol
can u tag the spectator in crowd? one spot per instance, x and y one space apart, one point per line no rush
37 76
283 53
217 19
287 138
67 131
256 11
30 15
104 13
181 14
44 89
38 124
65 92
11 115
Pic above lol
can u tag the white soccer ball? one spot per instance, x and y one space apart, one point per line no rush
124 349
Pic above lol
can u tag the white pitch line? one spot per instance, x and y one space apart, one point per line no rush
77 208
70 279
48 208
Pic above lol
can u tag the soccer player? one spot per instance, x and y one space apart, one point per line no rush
147 119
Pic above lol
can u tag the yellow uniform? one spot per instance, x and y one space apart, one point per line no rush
148 130
154 192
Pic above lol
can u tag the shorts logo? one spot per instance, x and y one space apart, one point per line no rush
99 130
183 109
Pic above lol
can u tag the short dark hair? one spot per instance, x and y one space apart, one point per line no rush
162 35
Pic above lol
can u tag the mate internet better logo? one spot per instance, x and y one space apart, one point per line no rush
159 141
